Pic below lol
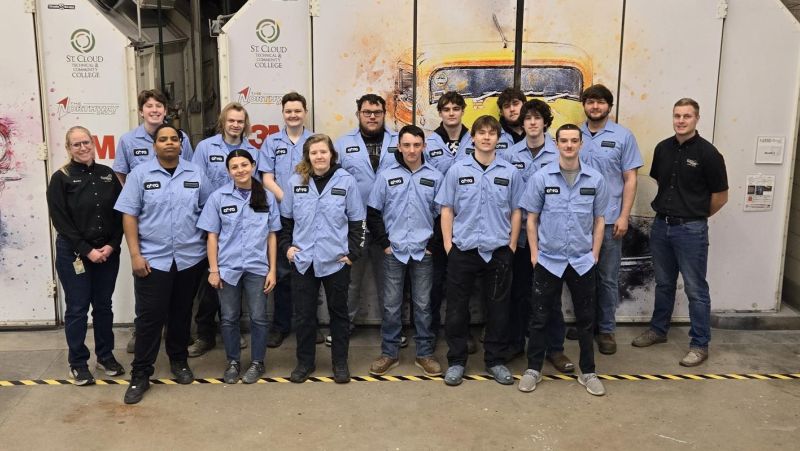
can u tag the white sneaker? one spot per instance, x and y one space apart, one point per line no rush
529 380
592 383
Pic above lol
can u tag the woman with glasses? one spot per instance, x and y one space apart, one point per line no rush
80 198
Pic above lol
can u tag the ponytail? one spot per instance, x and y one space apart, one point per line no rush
258 196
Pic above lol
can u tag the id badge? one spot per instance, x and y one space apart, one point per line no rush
78 265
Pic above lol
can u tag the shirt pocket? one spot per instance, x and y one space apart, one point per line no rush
583 208
334 208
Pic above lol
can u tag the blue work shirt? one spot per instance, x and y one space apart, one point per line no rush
167 207
280 156
354 158
482 202
243 232
321 220
614 151
407 201
504 143
566 216
136 147
211 154
520 156
437 152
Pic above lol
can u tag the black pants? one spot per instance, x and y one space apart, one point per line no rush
282 316
438 287
462 269
305 289
164 297
546 296
521 292
207 311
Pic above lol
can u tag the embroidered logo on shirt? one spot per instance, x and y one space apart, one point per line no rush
352 149
391 149
426 182
436 153
692 163
281 151
152 185
191 184
106 178
216 159
608 144
140 152
396 181
500 181
519 164
501 146
301 189
466 180
552 190
338 191
229 209
587 191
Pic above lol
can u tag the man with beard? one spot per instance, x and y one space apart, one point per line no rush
510 104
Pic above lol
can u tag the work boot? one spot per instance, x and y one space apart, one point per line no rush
382 365
648 338
694 357
606 343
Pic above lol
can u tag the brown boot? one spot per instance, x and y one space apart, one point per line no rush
429 365
606 343
561 362
382 365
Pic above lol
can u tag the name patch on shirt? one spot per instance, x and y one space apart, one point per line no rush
338 192
140 152
392 149
501 146
396 181
466 180
519 164
500 181
281 151
552 190
436 153
426 182
191 184
587 191
469 151
229 209
106 178
152 185
301 189
352 149
216 158
608 144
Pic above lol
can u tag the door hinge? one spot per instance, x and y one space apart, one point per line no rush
51 288
313 8
42 153
722 9
30 6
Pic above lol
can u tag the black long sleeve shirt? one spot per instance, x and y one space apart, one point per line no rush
81 205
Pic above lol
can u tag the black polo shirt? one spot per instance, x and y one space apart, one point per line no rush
687 174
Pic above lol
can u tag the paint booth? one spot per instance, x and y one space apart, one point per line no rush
649 53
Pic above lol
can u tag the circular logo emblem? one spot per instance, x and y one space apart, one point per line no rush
268 31
440 80
82 40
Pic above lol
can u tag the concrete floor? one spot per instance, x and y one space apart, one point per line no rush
723 414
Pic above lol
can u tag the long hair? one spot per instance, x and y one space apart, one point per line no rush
258 197
76 128
223 116
304 168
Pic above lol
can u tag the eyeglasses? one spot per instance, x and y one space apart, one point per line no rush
372 113
79 144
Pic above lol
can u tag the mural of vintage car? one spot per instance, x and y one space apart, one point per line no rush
554 72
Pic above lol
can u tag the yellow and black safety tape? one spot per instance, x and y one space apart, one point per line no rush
474 377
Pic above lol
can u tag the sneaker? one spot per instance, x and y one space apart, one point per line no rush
501 374
454 375
529 380
606 343
648 338
242 342
81 375
136 389
429 366
183 374
694 357
200 347
382 365
110 366
301 374
561 362
131 346
592 383
341 373
572 334
231 375
275 338
254 373
320 338
472 347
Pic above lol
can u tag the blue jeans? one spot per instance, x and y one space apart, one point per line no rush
608 281
394 275
230 301
681 248
94 287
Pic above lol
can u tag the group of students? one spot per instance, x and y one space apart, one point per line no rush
505 200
